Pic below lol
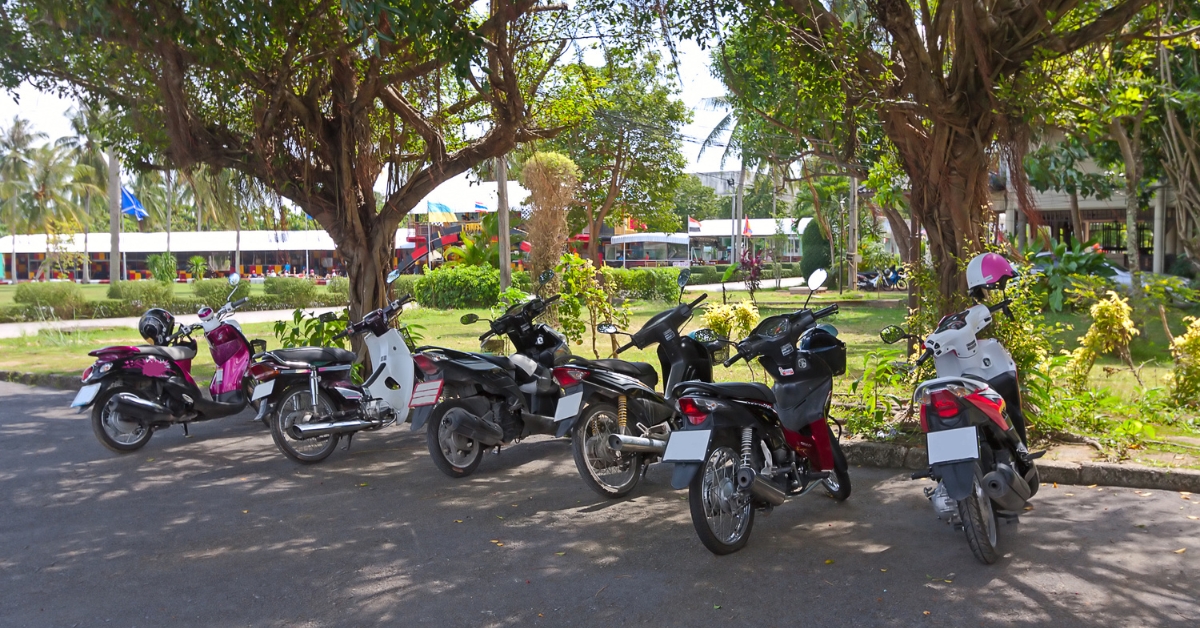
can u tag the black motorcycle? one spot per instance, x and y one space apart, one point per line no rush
625 423
745 447
489 400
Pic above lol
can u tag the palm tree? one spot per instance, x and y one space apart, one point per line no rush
91 167
50 197
15 142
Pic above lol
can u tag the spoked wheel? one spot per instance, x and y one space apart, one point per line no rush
296 406
721 514
609 472
838 482
901 284
979 522
119 433
453 454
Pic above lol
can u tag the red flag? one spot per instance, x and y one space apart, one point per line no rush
746 230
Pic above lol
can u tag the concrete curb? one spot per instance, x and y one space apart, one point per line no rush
892 456
49 380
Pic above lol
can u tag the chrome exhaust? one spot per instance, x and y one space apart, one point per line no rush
637 444
301 431
760 487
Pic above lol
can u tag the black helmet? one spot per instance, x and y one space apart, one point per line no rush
156 326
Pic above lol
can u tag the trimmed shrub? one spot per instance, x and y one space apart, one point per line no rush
650 284
163 267
522 281
212 292
459 287
292 291
721 268
145 292
340 286
704 274
63 297
404 285
815 249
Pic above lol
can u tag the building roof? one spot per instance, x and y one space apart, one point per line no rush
461 195
191 241
671 238
759 227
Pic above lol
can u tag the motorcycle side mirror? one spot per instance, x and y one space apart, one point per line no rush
467 319
705 336
327 317
393 276
817 279
684 276
893 334
545 277
607 328
234 279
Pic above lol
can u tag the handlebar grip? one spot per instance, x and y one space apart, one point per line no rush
485 335
240 302
826 311
625 348
729 362
552 299
702 297
924 357
341 334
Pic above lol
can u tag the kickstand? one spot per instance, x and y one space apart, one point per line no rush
349 439
185 431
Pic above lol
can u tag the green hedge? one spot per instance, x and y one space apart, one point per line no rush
339 286
650 284
146 292
293 291
459 287
406 285
214 291
704 274
63 298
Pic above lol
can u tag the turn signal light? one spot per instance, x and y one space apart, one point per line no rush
695 409
264 371
567 376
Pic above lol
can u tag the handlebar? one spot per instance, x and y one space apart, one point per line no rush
551 299
341 334
729 362
1002 306
693 304
485 335
625 348
924 357
239 303
825 311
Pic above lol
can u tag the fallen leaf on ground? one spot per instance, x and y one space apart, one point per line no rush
458 521
1069 494
560 553
926 613
149 459
499 545
882 570
1056 485
245 512
716 606
499 517
1193 517
1181 550
1091 486
829 561
494 541
363 484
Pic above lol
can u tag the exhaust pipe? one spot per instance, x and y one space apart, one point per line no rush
1009 490
141 410
760 487
301 431
475 428
637 445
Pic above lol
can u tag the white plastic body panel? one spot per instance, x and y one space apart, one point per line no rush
390 351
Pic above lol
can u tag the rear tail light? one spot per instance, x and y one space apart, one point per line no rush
425 363
264 371
87 372
945 403
696 409
567 376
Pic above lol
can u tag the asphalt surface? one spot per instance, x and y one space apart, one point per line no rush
221 530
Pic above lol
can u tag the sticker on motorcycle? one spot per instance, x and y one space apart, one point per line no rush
568 407
426 393
85 395
262 390
687 446
953 445
786 372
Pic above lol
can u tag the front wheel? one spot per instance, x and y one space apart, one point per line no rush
606 471
979 522
837 485
296 406
119 433
453 454
721 514
901 284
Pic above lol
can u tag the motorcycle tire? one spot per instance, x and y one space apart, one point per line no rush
294 400
589 443
106 424
901 284
443 444
838 484
979 523
718 475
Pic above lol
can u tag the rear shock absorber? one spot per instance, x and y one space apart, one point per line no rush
622 412
747 445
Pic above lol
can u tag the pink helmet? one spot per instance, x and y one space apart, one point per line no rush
987 272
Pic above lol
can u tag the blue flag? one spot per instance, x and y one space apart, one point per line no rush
438 207
131 205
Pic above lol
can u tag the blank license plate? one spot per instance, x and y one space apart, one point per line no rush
262 390
953 445
85 395
688 446
568 406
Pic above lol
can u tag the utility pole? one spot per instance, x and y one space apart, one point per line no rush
503 230
735 242
114 217
852 235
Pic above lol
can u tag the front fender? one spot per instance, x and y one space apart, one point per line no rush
959 477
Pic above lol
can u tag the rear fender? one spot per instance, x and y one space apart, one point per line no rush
959 477
683 474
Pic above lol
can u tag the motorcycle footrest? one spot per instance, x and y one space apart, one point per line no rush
920 475
814 476
1035 455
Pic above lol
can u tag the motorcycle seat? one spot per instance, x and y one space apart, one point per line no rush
640 371
728 390
498 360
176 353
316 356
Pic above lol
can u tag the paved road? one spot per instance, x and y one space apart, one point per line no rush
220 530
786 282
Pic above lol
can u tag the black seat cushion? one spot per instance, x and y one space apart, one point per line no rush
640 371
178 352
498 360
731 390
314 355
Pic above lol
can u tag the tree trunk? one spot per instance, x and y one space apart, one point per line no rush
1077 218
901 234
87 256
367 262
114 217
1130 143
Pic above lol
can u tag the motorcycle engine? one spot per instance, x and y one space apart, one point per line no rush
379 411
946 508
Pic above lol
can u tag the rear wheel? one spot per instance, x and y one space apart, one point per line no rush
296 406
838 482
979 522
453 454
722 515
119 433
606 471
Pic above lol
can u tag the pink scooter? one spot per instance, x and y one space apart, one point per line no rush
134 391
